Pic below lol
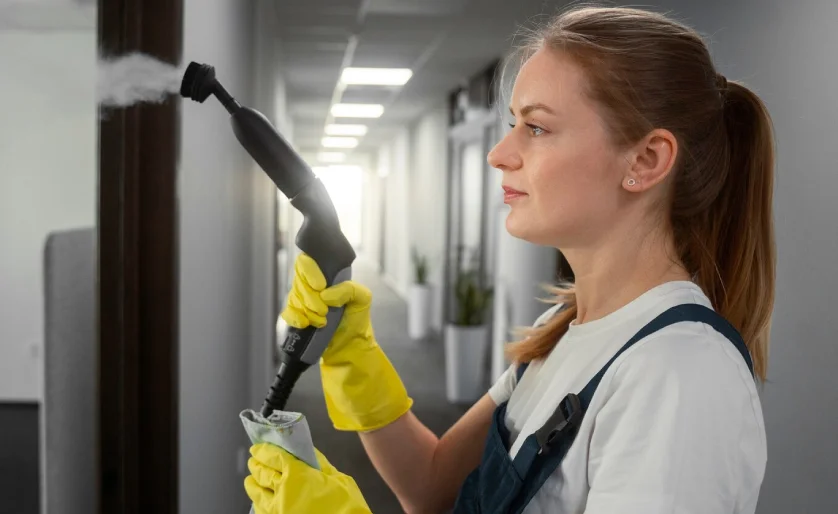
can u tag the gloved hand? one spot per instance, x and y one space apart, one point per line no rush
363 391
280 483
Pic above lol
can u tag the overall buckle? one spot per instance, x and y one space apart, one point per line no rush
564 422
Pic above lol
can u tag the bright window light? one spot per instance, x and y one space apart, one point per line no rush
345 187
376 76
357 110
336 168
340 142
346 130
345 168
329 157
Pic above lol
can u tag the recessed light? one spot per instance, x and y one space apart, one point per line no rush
331 156
340 142
376 76
357 110
346 130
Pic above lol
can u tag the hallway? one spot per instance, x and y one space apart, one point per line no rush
421 365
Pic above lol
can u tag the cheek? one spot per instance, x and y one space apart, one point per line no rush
573 179
573 186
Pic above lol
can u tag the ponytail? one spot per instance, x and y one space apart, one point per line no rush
646 70
737 272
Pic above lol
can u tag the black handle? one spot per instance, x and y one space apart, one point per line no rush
280 390
320 237
271 151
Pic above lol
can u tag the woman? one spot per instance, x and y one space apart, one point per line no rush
653 176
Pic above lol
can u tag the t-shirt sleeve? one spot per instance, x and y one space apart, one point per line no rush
668 436
502 389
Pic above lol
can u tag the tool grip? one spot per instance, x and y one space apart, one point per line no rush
302 348
321 239
280 390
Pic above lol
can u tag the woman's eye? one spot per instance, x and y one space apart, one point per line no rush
535 130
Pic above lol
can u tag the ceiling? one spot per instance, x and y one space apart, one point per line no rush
443 41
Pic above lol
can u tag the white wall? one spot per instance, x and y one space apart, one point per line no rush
427 199
397 267
48 155
411 173
220 217
372 219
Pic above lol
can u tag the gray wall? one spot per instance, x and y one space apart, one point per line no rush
269 98
787 52
216 209
40 191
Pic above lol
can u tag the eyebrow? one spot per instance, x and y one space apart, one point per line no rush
533 107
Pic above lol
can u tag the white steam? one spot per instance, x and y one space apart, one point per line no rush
134 78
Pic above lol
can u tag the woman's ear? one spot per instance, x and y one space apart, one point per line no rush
651 160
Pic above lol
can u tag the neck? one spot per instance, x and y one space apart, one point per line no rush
627 264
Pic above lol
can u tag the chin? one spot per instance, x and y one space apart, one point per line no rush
523 228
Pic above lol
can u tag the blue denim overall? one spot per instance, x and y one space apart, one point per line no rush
502 485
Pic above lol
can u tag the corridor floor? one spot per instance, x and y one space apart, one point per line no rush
421 366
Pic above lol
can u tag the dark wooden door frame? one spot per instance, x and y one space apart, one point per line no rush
138 273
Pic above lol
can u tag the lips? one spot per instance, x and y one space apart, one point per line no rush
511 194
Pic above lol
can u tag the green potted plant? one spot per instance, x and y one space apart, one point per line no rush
419 298
467 338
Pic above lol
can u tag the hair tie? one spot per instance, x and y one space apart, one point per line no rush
721 84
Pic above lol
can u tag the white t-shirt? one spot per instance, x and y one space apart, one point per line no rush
675 426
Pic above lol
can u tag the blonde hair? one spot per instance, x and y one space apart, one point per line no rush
647 71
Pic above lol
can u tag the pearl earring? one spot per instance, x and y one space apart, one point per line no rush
632 182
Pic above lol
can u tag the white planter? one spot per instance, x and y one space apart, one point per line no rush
466 349
419 311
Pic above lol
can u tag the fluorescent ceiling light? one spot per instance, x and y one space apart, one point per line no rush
331 156
357 110
340 142
346 130
376 76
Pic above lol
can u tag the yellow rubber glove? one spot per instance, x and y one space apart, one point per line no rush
362 389
280 483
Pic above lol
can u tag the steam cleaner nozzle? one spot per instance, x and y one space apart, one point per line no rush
199 82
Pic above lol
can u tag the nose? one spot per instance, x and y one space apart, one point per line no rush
505 156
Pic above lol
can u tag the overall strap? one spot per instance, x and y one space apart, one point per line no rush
519 371
687 312
543 451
